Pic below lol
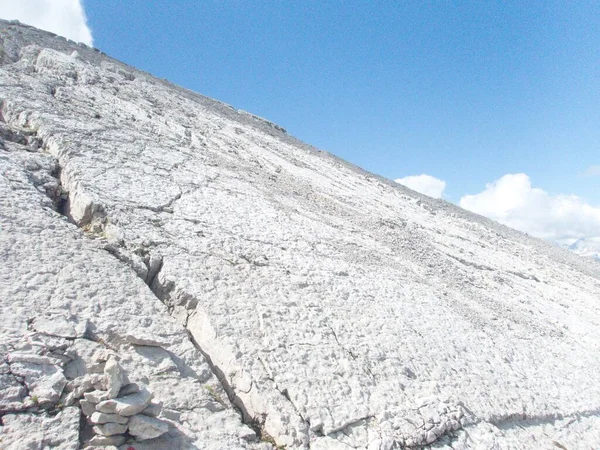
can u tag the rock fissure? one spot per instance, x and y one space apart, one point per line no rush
21 381
162 293
62 206
355 357
349 352
166 207
285 394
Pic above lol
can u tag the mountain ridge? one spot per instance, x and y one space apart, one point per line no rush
586 247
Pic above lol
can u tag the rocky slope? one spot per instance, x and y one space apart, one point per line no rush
178 274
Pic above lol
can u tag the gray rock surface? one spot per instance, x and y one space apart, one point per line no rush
115 377
110 429
221 262
100 418
126 406
40 432
104 441
144 427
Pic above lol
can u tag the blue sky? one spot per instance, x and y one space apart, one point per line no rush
467 92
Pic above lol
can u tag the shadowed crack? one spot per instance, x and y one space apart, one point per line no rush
165 207
355 357
20 381
524 421
470 264
237 402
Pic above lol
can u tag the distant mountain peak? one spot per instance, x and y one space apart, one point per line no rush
588 247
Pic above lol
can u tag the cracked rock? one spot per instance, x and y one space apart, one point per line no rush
45 382
25 431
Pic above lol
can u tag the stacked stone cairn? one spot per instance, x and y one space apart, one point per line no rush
115 409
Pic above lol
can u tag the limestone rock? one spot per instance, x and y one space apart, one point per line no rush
110 429
115 377
100 418
87 408
12 392
103 441
56 326
79 386
144 427
153 410
336 307
102 356
130 388
96 397
43 376
127 405
29 431
96 367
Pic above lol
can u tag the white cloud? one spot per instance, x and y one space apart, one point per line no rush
592 171
512 201
425 184
64 17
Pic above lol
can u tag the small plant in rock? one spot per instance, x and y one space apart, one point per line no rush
214 394
35 399
266 437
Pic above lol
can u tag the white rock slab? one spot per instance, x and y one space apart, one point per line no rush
127 405
66 278
337 307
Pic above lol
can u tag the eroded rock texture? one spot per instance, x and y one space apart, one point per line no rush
179 274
